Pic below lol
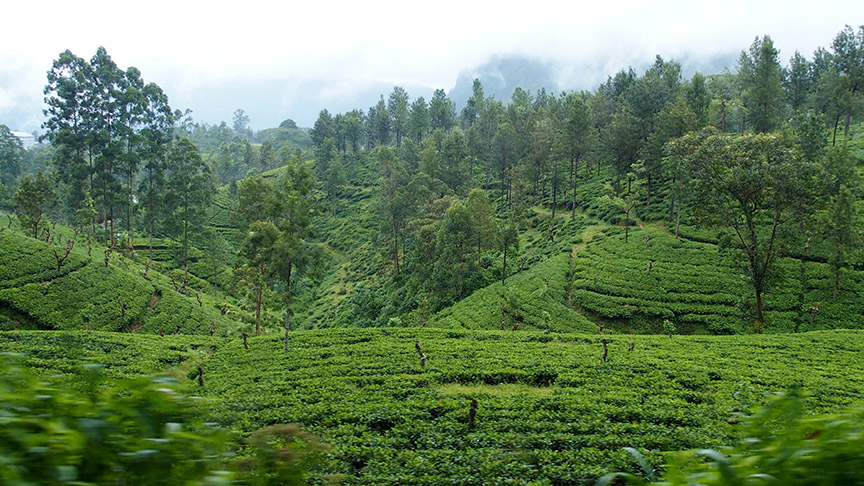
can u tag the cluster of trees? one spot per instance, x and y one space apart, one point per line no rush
661 138
274 218
236 151
115 157
762 151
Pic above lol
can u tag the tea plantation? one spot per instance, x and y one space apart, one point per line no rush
87 293
549 409
656 277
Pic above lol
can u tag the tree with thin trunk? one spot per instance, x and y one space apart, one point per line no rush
625 202
276 218
33 198
752 185
842 232
189 188
572 137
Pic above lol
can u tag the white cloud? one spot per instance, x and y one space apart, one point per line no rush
184 44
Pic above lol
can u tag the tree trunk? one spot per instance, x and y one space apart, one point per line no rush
626 225
574 177
112 226
836 282
760 316
150 244
504 267
185 252
287 306
554 187
648 202
260 292
802 295
129 214
396 246
846 128
215 281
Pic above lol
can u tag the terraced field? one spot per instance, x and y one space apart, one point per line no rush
550 410
656 277
87 294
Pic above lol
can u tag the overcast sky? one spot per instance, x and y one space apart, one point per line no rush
321 51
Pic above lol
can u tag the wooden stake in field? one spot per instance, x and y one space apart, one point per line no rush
420 352
472 412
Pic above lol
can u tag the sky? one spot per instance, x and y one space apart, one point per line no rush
281 60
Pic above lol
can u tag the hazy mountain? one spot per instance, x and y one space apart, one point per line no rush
269 101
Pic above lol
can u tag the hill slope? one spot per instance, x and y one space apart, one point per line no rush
85 293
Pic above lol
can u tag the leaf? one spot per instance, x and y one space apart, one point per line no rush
726 470
646 468
607 479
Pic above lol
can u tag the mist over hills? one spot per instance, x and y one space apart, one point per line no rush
268 102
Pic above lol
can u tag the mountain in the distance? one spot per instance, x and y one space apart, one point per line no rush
501 75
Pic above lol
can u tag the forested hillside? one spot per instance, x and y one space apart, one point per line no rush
543 289
392 215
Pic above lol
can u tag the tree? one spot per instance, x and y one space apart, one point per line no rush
474 106
798 82
292 253
33 198
334 180
442 112
11 156
699 99
267 156
397 106
419 120
188 190
572 138
276 219
623 201
842 233
454 242
760 76
483 223
752 185
378 124
105 136
323 128
256 201
848 47
68 96
392 198
240 124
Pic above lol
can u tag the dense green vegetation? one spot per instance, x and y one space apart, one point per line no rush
44 287
550 409
541 290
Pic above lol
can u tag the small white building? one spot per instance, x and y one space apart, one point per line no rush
27 140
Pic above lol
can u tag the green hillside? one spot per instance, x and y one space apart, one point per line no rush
550 410
85 293
701 288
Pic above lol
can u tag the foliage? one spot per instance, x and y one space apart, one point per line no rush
780 446
136 431
12 155
33 199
